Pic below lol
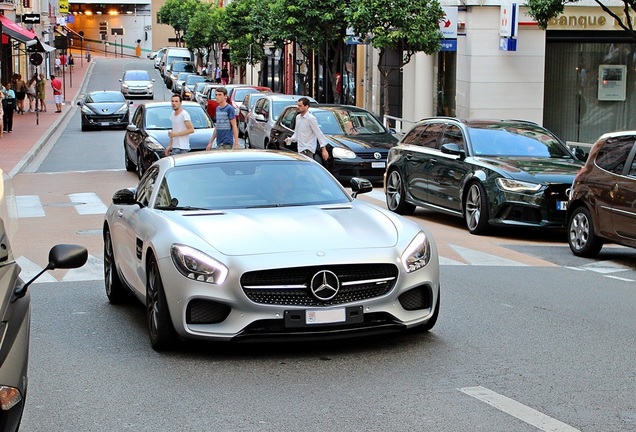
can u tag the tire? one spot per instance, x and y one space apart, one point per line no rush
140 166
396 195
582 238
428 326
160 329
130 165
476 209
115 288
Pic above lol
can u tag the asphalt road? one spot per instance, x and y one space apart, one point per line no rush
529 337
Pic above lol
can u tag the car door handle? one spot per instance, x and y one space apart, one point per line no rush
433 161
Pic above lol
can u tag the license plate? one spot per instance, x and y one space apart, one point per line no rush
105 124
320 316
378 164
562 205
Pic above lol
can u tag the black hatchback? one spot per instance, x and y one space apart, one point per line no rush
490 172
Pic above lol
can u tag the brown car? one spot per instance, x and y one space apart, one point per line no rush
602 205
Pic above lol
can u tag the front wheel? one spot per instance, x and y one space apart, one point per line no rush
115 290
476 209
160 329
140 166
396 194
581 236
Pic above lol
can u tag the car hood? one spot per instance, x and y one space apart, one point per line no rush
290 229
364 142
543 170
198 140
105 107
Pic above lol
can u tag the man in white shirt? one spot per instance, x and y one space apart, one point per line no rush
307 133
181 128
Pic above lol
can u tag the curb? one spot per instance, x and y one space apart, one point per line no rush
30 155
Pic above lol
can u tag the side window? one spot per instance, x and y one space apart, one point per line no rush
265 108
258 109
289 118
413 137
146 185
613 154
430 136
138 117
453 134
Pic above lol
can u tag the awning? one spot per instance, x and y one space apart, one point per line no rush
36 45
15 31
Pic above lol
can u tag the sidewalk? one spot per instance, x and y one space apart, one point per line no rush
31 130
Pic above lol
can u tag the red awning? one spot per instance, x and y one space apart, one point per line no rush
15 31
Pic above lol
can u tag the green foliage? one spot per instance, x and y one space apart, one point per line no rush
543 10
177 13
412 25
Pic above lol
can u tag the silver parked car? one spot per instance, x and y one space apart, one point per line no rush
229 245
264 116
137 83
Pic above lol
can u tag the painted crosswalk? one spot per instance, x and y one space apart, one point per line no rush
87 203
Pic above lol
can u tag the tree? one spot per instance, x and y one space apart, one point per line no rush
408 26
177 14
205 31
246 29
544 10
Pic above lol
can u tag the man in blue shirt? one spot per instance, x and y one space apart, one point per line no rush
225 131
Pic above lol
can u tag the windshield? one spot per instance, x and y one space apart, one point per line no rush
8 216
105 97
136 76
359 122
253 184
516 140
158 118
239 94
193 79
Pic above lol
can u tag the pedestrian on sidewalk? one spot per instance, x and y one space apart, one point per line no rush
42 92
56 85
31 91
71 61
181 128
20 89
8 105
1 111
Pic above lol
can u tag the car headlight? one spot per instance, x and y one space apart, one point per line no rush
122 110
513 185
149 86
417 254
341 153
87 110
154 145
196 265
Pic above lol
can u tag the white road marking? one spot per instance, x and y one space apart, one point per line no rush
29 206
518 410
377 194
482 258
87 203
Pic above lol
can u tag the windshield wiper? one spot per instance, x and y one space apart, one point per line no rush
180 208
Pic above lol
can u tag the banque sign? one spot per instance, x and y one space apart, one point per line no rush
584 18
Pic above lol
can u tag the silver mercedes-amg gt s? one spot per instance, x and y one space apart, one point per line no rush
236 245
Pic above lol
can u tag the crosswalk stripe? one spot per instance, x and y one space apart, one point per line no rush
92 270
478 258
87 203
29 206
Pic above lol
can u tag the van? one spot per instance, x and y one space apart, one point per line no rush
172 54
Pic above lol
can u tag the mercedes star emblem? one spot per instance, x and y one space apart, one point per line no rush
324 285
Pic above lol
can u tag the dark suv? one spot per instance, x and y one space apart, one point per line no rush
601 206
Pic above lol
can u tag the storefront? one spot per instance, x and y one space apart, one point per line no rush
590 76
14 55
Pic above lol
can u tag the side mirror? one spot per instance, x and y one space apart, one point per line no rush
132 128
360 186
119 79
453 149
62 256
125 197
79 103
259 117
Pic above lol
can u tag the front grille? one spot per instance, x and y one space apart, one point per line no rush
105 118
370 155
553 194
206 312
521 213
290 286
